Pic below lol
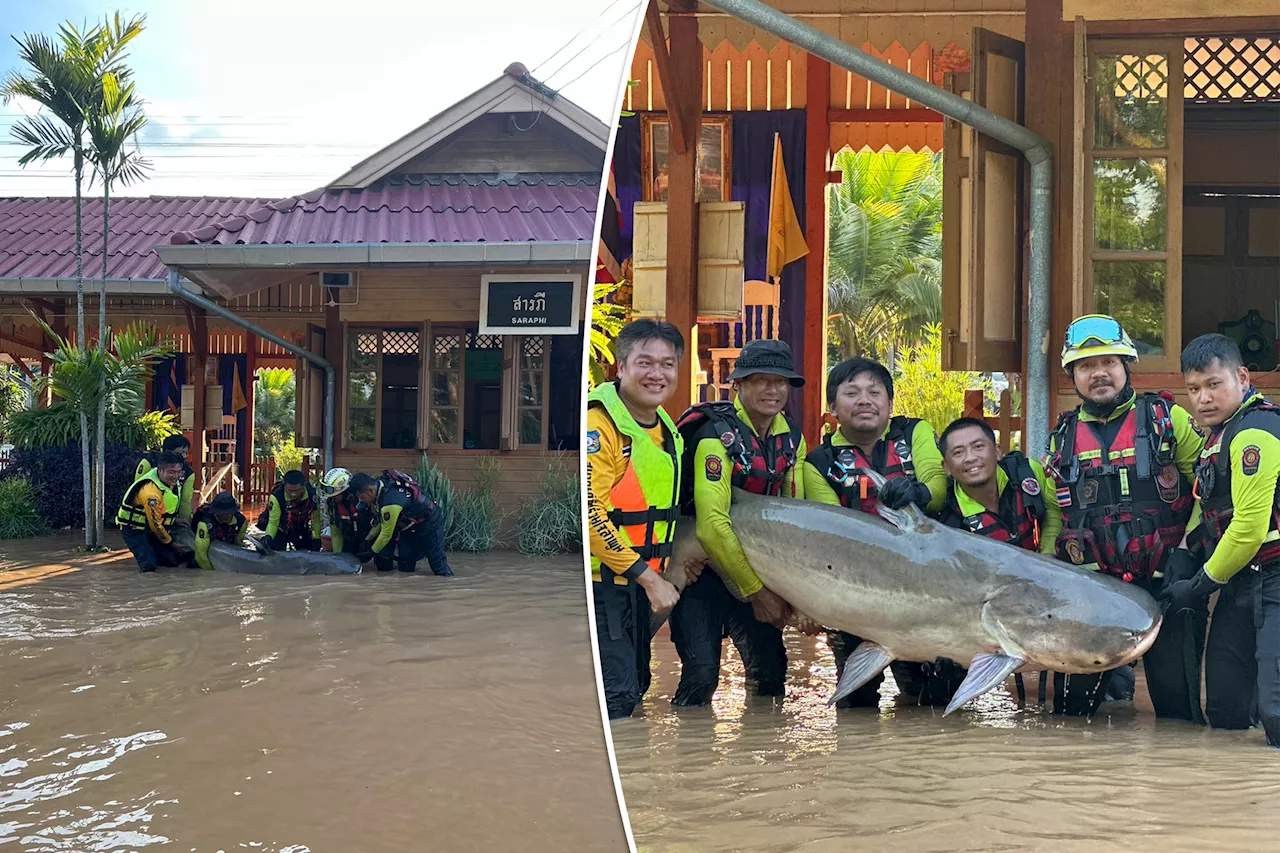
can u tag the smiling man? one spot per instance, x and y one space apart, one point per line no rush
1123 464
748 444
633 483
903 451
1236 481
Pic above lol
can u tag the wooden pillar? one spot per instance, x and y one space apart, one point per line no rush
813 362
682 87
195 375
250 377
1048 110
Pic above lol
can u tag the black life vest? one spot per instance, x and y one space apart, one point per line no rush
760 465
1019 515
1123 507
845 467
1213 480
295 516
217 530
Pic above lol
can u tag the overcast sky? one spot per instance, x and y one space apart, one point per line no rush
277 97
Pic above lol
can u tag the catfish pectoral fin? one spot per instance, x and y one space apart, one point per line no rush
985 673
867 661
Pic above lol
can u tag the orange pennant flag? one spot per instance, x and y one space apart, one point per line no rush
238 401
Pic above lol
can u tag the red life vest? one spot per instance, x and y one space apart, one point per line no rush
1123 507
1213 480
295 516
1018 517
345 512
759 464
845 466
217 530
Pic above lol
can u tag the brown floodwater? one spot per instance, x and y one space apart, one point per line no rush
757 776
206 711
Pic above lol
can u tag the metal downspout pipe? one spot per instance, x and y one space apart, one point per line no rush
329 377
1036 148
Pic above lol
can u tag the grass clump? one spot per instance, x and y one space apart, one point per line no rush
18 518
552 522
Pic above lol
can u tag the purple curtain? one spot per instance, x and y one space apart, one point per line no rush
163 390
226 377
626 178
752 174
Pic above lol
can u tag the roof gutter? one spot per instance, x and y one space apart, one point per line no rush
373 254
115 286
175 288
1038 151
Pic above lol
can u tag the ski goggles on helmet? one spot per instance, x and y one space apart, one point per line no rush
1102 330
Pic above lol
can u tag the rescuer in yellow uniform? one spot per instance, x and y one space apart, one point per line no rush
633 484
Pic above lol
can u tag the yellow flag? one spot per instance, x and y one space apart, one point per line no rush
786 237
238 401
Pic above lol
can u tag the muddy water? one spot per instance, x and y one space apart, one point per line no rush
209 711
749 775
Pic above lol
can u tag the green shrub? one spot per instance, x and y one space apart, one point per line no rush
922 389
18 519
471 518
552 522
59 425
288 457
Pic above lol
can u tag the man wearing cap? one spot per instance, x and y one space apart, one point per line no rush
1123 464
220 520
905 453
751 445
292 515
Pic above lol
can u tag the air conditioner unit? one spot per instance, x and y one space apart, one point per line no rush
337 279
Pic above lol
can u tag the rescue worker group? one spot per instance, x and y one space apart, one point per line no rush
1130 486
389 520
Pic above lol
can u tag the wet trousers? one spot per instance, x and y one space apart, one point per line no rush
622 638
1171 667
425 539
1242 662
706 614
149 551
926 684
302 540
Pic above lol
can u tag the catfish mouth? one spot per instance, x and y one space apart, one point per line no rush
1149 640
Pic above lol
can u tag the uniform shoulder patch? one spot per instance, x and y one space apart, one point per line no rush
714 469
153 501
386 515
1250 460
1031 486
726 438
593 441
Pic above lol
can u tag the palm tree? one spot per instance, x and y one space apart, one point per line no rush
64 78
115 118
885 251
273 407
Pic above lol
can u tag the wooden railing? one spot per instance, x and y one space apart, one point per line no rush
263 476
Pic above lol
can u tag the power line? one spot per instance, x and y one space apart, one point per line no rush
613 23
592 67
574 38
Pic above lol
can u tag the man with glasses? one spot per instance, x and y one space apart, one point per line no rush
1123 465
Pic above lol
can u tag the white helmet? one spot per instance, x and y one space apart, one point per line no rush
335 482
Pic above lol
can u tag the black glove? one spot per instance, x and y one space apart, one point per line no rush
1180 567
364 556
899 492
1186 594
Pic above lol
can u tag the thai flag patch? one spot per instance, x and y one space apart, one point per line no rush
1064 496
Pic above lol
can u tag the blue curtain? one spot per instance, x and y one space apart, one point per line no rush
163 391
752 173
752 176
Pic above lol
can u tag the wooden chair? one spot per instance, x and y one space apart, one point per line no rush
759 322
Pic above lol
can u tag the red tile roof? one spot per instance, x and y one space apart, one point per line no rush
38 238
420 209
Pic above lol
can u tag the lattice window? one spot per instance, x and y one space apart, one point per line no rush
400 342
533 347
1238 70
447 387
478 341
1141 78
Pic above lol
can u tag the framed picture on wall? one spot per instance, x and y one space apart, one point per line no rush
715 156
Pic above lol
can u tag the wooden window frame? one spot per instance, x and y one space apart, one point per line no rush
433 332
1172 154
354 330
647 122
546 388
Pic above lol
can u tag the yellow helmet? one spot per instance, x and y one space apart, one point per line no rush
1095 334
